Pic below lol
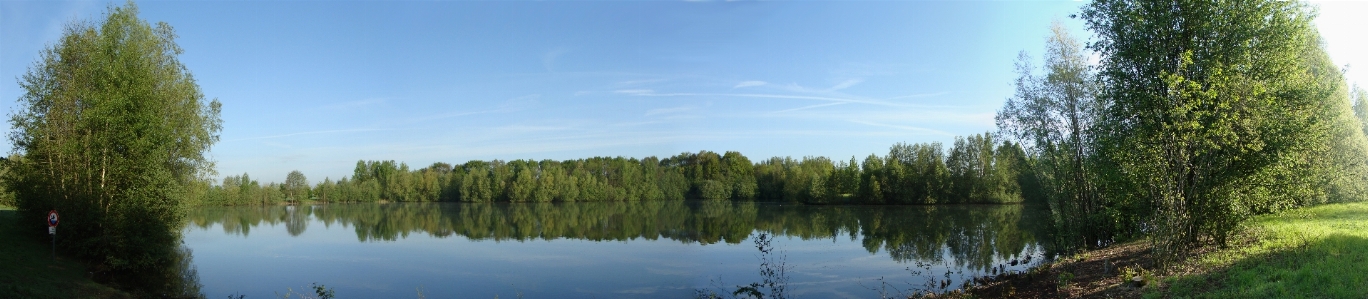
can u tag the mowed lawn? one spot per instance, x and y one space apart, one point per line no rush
1317 252
27 269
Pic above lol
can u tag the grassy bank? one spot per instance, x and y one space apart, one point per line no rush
27 269
1316 252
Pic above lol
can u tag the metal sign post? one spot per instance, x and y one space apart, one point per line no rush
52 230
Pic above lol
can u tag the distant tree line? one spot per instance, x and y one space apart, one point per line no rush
976 169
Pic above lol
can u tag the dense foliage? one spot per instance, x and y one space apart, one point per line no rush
112 131
977 169
1199 115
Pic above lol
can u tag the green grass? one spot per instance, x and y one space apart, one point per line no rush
27 269
1317 252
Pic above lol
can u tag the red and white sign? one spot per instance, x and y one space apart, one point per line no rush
52 218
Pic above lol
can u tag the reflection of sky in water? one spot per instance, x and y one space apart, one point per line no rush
268 260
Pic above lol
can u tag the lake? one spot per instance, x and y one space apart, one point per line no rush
654 249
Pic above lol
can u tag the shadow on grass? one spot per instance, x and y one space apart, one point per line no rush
28 270
1334 266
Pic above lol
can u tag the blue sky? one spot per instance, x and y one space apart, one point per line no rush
315 86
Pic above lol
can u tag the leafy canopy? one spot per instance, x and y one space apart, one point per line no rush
112 128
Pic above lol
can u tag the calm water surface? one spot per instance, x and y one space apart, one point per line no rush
663 249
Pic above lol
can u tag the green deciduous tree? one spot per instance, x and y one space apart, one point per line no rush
1054 115
872 180
1214 111
112 128
917 174
296 186
1360 98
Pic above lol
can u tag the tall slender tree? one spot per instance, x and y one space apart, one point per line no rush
112 128
1054 116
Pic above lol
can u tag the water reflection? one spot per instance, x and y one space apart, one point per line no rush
975 238
184 277
173 277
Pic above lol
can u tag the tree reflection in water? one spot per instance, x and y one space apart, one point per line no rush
177 279
976 237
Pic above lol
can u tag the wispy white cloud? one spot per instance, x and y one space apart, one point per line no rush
511 105
355 104
292 157
558 140
549 59
795 87
520 129
306 133
845 84
635 91
861 70
810 107
651 93
639 123
521 103
277 144
452 114
640 82
908 128
920 95
932 117
668 110
748 84
548 143
489 145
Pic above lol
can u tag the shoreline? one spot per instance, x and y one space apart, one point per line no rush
1319 252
